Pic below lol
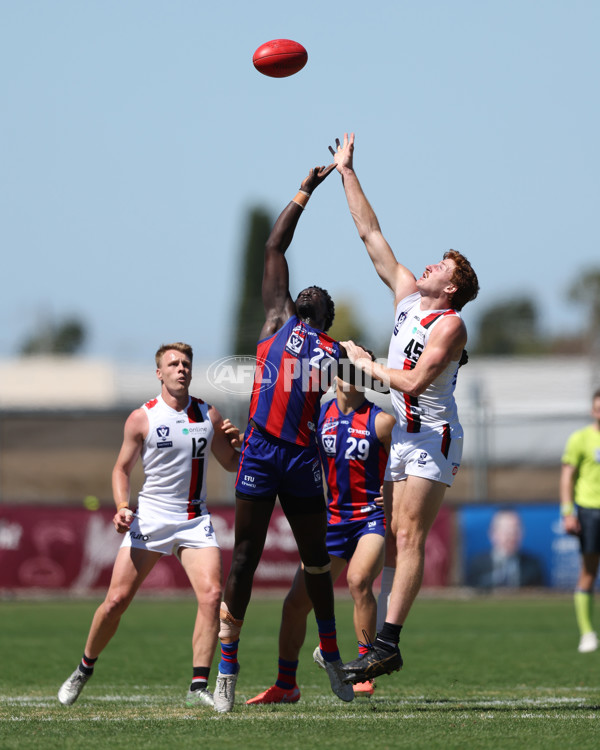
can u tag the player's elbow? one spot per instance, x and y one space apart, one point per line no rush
233 462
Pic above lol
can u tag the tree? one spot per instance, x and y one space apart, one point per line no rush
509 328
346 326
586 291
250 314
65 337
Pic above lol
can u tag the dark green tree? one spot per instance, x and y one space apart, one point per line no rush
585 291
346 325
250 313
63 337
509 328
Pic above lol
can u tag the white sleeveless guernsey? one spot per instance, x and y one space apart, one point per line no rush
436 407
175 459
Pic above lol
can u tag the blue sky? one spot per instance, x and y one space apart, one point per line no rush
137 134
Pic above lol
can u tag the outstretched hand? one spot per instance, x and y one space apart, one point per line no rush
316 177
343 154
356 353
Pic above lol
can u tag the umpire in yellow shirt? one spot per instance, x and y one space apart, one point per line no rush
580 510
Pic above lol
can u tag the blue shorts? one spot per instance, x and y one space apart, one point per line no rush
270 467
589 538
342 538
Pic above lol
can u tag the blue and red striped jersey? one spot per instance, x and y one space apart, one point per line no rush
305 361
354 460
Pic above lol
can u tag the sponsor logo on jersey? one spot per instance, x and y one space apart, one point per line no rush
355 431
195 429
326 346
165 444
455 469
311 426
329 424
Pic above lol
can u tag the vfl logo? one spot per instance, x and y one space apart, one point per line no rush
329 443
163 433
316 467
401 319
422 460
295 341
208 530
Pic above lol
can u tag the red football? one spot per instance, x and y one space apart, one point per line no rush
280 58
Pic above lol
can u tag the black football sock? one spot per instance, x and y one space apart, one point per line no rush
87 665
389 635
200 678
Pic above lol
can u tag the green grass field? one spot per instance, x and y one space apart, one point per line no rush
479 673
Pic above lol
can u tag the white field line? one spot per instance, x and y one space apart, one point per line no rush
362 718
477 702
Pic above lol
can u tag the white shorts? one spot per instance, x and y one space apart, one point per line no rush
156 534
434 454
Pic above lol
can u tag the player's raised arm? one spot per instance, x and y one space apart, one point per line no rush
277 300
445 345
399 279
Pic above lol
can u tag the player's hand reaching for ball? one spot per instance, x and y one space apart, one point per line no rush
356 354
316 177
343 153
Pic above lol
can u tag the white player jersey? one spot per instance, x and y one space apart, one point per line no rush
175 458
435 407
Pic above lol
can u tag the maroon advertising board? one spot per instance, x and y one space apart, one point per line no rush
73 550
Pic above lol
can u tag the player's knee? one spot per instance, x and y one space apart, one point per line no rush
245 559
409 537
211 595
230 627
359 585
296 604
116 603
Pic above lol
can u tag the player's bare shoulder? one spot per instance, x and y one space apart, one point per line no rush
450 332
137 425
